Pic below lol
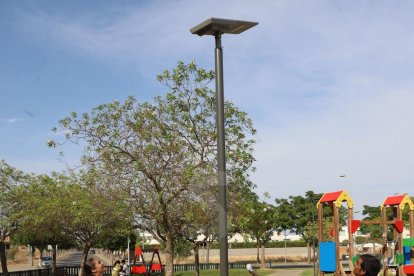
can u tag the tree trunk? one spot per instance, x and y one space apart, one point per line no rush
83 261
169 249
53 258
257 255
196 259
262 264
208 253
32 253
309 251
3 258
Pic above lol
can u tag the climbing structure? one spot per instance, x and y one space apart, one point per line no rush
397 203
329 251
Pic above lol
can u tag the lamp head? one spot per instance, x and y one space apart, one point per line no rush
215 26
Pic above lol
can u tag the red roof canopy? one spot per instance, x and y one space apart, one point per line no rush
329 197
393 200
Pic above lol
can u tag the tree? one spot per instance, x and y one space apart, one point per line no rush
295 212
258 223
375 230
311 233
202 216
94 213
373 213
64 209
10 178
164 153
43 208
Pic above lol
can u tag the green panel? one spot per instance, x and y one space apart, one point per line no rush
399 258
408 242
354 259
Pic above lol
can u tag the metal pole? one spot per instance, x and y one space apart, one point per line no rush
221 158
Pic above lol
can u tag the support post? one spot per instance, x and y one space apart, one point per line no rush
320 230
400 240
336 237
351 236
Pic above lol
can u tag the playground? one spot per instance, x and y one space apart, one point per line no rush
395 250
396 255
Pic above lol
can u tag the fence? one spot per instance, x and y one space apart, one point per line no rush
74 270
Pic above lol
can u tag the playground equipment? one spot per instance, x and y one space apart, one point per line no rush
397 204
139 267
329 251
329 261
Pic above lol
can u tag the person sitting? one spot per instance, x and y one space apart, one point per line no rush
367 265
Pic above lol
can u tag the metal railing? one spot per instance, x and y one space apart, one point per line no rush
74 270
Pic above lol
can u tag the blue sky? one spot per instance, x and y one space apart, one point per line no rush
328 83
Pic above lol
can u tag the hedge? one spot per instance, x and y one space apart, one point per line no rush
271 244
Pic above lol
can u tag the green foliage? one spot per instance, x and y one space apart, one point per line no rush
373 213
359 240
258 220
270 244
311 232
118 240
41 211
64 210
182 248
299 213
161 156
10 179
295 212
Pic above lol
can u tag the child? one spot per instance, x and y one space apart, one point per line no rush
367 265
116 268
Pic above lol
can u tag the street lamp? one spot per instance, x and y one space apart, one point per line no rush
217 27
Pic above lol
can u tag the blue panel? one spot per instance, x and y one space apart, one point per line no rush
407 254
327 257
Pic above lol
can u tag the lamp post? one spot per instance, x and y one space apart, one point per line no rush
217 27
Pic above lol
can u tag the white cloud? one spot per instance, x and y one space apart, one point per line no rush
328 83
12 120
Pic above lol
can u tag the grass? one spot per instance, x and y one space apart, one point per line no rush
307 272
232 272
239 272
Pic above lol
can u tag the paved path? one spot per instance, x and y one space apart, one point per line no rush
287 272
